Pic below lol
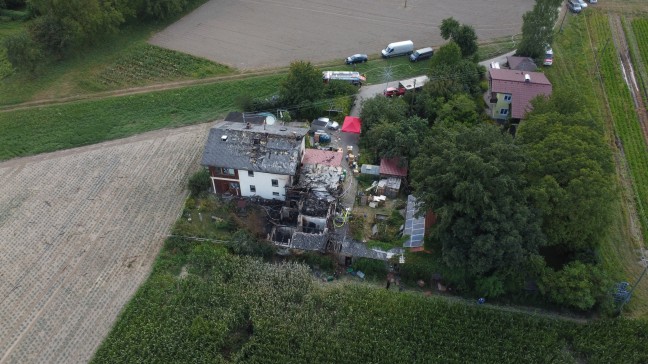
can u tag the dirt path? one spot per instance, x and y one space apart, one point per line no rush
79 231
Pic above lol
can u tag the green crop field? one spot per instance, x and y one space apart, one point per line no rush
203 304
45 129
626 123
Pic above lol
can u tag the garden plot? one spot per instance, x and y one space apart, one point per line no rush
79 230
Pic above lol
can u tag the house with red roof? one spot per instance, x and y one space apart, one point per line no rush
512 90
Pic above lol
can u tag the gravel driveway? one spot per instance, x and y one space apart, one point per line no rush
253 34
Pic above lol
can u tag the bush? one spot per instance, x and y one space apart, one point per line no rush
371 267
418 266
23 53
324 262
199 182
243 243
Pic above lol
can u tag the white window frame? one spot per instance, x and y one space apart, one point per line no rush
275 182
275 193
503 111
250 173
507 97
252 189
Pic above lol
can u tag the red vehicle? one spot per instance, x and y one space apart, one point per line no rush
393 91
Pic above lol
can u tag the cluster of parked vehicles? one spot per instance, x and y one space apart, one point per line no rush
402 48
576 6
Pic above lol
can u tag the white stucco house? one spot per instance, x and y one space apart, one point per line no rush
253 160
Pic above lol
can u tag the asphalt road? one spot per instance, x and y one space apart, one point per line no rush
253 34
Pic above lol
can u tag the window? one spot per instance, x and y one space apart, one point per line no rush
225 171
503 111
275 183
250 173
252 189
275 193
507 97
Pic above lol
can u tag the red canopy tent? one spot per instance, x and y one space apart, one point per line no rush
351 124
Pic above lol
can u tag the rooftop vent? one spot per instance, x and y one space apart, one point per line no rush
527 77
248 126
224 138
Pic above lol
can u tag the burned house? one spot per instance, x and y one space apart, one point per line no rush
307 215
252 160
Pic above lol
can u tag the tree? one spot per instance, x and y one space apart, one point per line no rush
537 28
396 139
380 108
446 80
570 167
23 53
160 9
471 177
461 108
63 24
463 35
447 55
302 86
449 27
577 285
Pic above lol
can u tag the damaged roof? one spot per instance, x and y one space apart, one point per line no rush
270 148
392 167
324 157
312 242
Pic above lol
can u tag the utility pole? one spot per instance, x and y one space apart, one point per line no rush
633 288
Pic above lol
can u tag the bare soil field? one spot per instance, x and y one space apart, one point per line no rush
253 34
79 230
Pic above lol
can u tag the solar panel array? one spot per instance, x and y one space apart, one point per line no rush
414 227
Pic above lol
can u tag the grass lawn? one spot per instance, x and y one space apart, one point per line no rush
575 68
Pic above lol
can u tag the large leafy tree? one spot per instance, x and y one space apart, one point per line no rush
302 84
463 35
63 24
397 139
577 285
379 109
570 168
472 178
461 108
537 28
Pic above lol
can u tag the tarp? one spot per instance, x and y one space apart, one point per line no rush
351 124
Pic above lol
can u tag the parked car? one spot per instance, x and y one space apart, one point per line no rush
421 54
574 6
393 91
333 125
593 1
356 58
582 3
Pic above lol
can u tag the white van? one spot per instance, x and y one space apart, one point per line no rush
398 49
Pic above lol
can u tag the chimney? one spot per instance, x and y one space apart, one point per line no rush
247 125
224 138
527 77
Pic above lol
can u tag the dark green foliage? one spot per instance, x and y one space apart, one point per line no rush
570 169
420 266
448 79
379 109
576 285
537 28
23 53
317 260
472 179
159 9
371 267
242 243
447 54
391 138
199 182
302 86
463 35
461 108
64 24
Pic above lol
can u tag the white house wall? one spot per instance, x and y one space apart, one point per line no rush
263 184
